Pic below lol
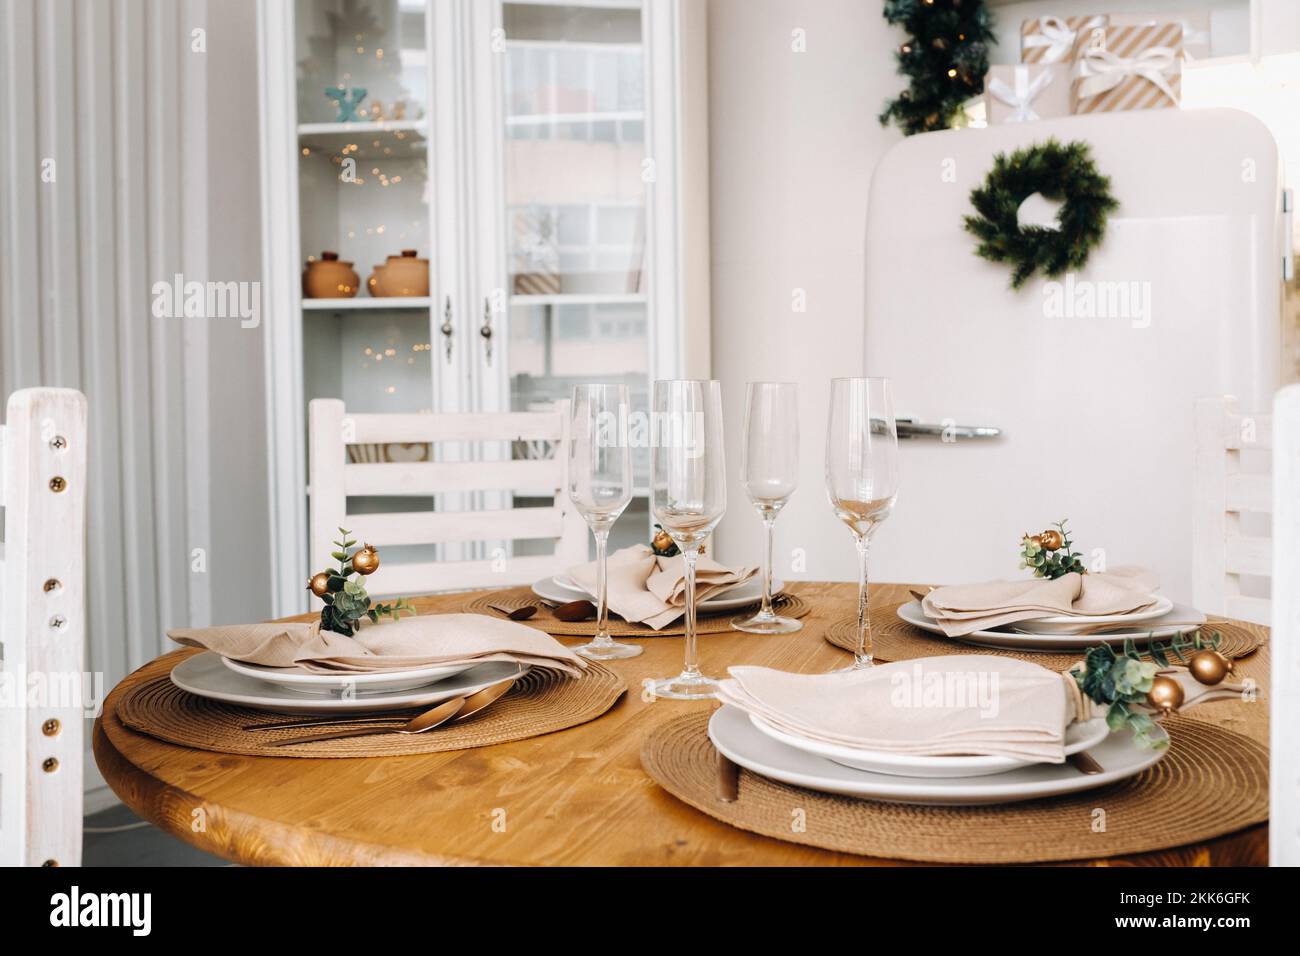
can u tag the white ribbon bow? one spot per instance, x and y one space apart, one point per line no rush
1055 34
1021 98
1100 70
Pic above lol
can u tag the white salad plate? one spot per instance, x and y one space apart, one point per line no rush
1070 623
205 675
1077 737
300 679
563 589
1184 618
740 741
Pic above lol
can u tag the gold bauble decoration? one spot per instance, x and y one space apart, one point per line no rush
319 584
1165 695
1051 540
1209 667
662 541
366 561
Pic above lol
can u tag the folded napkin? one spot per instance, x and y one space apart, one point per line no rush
422 641
644 588
966 608
935 706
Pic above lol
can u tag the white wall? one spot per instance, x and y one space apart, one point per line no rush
793 140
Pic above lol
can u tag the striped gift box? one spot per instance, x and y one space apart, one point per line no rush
1128 68
1053 39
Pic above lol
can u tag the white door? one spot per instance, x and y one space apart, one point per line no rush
1095 412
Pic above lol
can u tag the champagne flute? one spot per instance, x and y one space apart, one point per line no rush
600 487
688 494
862 474
770 472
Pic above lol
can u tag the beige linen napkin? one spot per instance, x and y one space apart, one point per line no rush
422 641
644 588
959 704
964 609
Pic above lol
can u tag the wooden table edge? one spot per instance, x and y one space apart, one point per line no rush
170 808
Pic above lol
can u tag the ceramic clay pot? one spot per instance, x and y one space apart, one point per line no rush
404 275
330 278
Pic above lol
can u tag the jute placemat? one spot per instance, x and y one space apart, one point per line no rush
541 702
893 639
787 605
1211 782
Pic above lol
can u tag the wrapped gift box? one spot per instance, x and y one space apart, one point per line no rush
1054 39
1027 92
1195 24
1128 68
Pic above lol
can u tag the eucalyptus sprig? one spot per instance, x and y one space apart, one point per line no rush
346 599
1049 553
1121 681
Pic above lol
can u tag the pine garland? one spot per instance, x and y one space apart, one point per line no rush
945 58
1065 173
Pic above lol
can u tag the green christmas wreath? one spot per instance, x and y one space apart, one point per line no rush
1066 173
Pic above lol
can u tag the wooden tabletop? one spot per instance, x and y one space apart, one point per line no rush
577 797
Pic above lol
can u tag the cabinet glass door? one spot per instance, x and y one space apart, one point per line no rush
573 150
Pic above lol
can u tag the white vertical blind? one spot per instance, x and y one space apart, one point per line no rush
99 201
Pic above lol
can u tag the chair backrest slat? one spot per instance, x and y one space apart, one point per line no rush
1224 492
333 480
43 627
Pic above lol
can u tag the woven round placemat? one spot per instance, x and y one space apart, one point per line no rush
1211 782
541 702
893 639
787 605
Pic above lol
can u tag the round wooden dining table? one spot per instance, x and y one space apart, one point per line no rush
572 798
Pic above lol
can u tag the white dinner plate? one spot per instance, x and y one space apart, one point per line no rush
1077 737
562 590
1180 614
740 741
205 675
300 679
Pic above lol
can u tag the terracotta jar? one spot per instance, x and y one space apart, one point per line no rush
329 278
403 275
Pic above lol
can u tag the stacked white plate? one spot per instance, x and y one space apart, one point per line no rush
953 781
295 690
1062 633
561 589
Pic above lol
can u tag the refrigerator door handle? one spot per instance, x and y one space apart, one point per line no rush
945 431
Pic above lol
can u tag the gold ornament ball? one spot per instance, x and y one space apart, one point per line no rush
662 541
1165 695
1209 667
319 584
366 561
1051 540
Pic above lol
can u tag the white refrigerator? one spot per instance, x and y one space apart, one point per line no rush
1093 404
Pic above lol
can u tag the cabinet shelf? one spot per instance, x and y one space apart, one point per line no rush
343 130
580 298
360 304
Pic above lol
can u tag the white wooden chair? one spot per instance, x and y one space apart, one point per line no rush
42 627
1225 491
333 479
1284 823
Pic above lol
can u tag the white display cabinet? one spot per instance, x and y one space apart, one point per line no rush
548 159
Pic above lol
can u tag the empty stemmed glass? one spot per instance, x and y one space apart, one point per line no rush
770 473
862 474
600 487
688 495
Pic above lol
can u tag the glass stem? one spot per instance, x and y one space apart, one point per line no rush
692 668
602 604
862 657
769 525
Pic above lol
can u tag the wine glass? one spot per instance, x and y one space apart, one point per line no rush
688 494
600 487
862 474
770 472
